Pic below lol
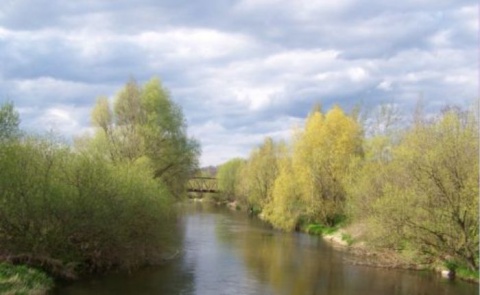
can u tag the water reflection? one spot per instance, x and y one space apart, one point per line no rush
302 264
228 253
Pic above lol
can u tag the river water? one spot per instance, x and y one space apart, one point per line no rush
225 252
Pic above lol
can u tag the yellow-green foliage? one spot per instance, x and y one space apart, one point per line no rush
227 176
146 122
304 182
426 197
367 177
322 155
259 174
441 163
417 188
285 208
79 208
105 204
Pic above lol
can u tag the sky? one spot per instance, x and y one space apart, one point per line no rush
240 69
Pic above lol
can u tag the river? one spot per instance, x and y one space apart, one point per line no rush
225 252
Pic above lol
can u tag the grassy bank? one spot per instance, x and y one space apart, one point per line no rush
466 274
20 279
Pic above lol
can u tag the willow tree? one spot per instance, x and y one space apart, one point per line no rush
258 175
321 157
146 125
227 176
286 207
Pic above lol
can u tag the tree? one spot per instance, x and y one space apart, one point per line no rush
9 122
431 203
321 157
63 209
98 206
385 119
259 175
286 206
227 176
146 125
174 156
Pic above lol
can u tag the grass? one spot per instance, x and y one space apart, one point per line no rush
320 229
348 239
461 271
467 274
22 280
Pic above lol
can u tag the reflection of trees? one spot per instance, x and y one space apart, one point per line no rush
286 266
172 277
301 264
287 263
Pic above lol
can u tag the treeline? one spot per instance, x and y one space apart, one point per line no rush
415 186
103 203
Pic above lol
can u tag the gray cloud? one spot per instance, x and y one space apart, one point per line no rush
241 70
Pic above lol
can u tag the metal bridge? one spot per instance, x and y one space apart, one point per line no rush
202 185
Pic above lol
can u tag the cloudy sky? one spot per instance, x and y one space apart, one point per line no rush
240 69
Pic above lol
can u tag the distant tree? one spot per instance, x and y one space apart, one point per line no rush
259 174
227 176
386 118
286 206
9 121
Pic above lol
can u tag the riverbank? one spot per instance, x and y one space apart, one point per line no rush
352 238
20 279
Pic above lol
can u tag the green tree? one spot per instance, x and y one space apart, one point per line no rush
146 125
71 212
227 176
431 202
259 174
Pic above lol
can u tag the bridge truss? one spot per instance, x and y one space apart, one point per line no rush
202 185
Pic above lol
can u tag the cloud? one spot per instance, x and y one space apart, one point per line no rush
65 120
192 44
240 69
217 150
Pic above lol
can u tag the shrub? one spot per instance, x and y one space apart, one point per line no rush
80 209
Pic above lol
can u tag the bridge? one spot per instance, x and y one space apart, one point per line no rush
202 185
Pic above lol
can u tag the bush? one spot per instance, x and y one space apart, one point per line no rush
451 265
80 208
466 273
